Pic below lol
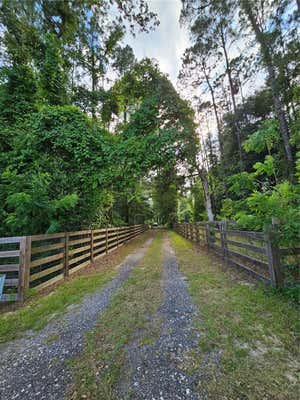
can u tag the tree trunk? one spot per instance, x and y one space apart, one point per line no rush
204 156
126 211
207 194
212 94
94 84
125 113
267 58
210 146
231 86
243 101
290 107
283 125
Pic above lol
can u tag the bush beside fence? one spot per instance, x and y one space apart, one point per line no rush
42 260
257 253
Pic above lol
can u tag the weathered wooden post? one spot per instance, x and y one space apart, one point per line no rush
24 267
197 233
207 234
66 255
92 246
222 230
273 256
106 241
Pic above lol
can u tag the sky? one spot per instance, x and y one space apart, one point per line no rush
167 42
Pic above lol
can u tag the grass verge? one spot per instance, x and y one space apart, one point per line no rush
41 308
97 371
248 347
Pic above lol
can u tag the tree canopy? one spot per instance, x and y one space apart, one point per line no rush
249 150
91 136
78 148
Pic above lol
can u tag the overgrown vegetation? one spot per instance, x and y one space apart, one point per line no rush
249 334
244 64
98 370
39 309
90 137
83 124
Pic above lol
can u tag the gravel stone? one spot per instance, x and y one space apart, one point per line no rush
153 371
35 367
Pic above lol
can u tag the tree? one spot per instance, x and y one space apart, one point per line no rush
212 32
165 196
259 17
98 46
97 41
196 66
47 173
157 133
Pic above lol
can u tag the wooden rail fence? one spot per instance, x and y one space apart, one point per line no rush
257 253
41 260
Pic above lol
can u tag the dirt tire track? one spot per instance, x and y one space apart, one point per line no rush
35 368
154 369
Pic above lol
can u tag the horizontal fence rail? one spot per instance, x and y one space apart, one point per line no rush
42 260
257 253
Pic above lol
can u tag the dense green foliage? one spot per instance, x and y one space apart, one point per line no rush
249 150
75 152
89 136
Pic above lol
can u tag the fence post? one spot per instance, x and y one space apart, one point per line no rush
207 233
24 267
273 255
222 229
66 257
92 246
118 237
106 242
197 233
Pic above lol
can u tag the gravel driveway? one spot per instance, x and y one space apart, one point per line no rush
35 367
153 371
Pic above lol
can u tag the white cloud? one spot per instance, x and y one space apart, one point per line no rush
167 43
